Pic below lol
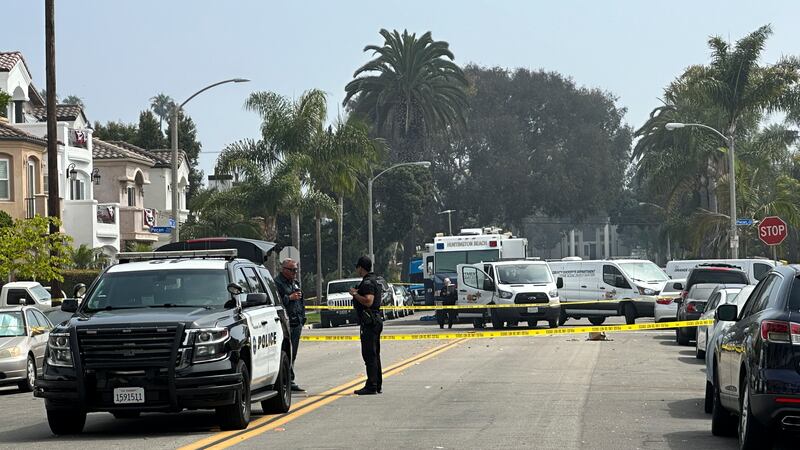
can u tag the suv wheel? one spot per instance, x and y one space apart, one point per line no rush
722 422
630 314
66 421
708 404
597 321
699 354
237 415
683 338
26 385
752 434
283 385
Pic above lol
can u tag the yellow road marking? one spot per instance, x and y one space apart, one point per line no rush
266 423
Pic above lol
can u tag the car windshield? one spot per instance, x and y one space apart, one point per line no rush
523 274
160 288
644 271
40 293
446 262
11 324
340 287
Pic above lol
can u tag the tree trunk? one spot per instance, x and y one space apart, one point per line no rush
318 221
296 242
271 235
341 236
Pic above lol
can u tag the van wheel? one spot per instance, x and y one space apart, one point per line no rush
237 415
283 401
552 323
66 421
478 323
562 318
722 422
597 321
630 314
708 405
496 322
752 434
533 323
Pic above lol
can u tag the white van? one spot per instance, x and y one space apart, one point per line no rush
527 283
755 268
634 283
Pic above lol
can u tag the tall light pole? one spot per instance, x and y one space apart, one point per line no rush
369 194
449 221
669 246
729 141
174 124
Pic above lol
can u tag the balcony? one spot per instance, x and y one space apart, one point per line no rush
35 206
131 225
107 215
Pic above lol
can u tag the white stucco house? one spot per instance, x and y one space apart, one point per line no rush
86 220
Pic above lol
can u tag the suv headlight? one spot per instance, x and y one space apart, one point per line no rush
208 344
59 353
505 294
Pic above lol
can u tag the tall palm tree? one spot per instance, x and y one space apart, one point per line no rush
220 213
162 105
412 87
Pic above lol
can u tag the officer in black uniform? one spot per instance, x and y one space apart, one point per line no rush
449 298
292 299
367 303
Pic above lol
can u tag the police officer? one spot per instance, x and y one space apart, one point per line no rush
367 303
292 298
449 298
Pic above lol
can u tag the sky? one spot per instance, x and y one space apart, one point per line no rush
116 54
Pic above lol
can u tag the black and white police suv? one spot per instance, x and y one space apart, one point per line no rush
167 331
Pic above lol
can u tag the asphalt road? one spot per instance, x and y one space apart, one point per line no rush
636 391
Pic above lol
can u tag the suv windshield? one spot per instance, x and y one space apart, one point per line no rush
11 324
158 288
717 276
643 271
340 287
523 274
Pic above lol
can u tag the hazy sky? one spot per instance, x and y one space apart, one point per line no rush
117 54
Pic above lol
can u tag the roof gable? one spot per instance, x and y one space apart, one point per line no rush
10 59
102 150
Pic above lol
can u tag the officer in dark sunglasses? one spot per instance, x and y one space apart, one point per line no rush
292 297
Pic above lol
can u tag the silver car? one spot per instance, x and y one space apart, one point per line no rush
24 331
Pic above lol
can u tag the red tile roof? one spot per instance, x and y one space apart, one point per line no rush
108 150
64 113
10 133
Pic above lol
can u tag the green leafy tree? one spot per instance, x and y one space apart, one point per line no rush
5 220
218 213
116 131
148 134
28 251
410 89
83 257
73 100
4 99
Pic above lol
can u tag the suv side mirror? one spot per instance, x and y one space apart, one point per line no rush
255 299
235 289
559 283
69 305
727 313
79 290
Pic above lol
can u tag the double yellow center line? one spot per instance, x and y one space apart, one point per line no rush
266 423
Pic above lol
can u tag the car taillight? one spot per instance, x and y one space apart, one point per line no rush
780 332
663 300
690 307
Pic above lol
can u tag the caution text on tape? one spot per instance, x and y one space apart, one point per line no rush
474 305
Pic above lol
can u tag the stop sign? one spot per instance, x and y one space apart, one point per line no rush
772 230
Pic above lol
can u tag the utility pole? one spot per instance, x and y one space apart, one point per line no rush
53 198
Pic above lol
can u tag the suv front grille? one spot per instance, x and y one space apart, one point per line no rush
538 297
340 302
127 347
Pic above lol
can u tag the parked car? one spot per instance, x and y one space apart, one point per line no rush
714 333
338 294
755 268
399 300
24 331
690 308
417 294
666 308
756 370
719 296
408 299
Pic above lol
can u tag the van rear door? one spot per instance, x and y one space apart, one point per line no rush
474 285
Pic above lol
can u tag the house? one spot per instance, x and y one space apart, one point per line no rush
21 180
126 179
77 174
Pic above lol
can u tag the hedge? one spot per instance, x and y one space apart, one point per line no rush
73 277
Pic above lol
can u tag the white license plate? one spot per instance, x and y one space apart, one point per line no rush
343 312
533 310
128 395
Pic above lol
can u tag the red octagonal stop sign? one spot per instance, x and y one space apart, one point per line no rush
772 230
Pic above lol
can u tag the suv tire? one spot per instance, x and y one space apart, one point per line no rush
683 339
562 318
708 404
630 313
66 421
597 321
752 434
26 385
283 385
552 323
237 415
722 422
699 354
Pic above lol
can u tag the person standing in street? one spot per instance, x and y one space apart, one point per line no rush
367 303
449 297
292 298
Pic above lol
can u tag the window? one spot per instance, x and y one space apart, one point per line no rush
270 285
713 301
475 278
154 288
43 321
32 322
131 196
77 190
252 278
613 277
758 302
241 279
760 270
5 179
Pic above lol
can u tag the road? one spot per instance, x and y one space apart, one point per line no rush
636 391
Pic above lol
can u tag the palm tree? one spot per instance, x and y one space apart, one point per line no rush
411 88
220 214
83 257
162 105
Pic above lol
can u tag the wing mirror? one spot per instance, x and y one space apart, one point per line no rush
678 286
256 299
235 289
488 284
36 331
79 290
69 305
559 283
727 313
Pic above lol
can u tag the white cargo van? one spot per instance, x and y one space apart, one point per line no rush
755 268
631 284
529 284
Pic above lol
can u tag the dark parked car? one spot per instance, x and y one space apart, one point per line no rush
756 366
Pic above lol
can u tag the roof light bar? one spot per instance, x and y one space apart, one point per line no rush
228 254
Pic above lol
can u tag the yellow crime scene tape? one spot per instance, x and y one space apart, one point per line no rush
519 333
472 305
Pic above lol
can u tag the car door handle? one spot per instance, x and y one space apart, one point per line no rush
583 287
602 288
277 319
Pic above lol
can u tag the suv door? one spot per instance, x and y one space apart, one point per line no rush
259 323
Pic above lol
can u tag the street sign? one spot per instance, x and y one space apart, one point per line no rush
744 222
772 230
171 222
161 230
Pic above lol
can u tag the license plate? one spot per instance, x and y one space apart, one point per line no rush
533 310
128 395
343 312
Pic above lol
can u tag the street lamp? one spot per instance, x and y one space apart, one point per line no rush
449 221
175 111
669 244
96 176
369 193
732 174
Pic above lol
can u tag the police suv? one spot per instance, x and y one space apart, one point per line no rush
167 331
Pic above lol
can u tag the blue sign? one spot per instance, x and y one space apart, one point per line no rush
744 222
171 222
415 266
161 230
